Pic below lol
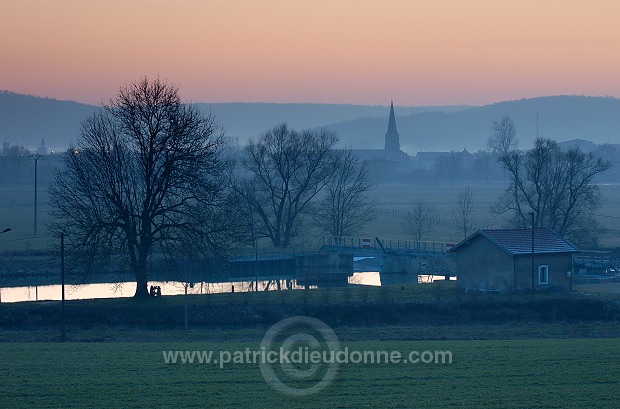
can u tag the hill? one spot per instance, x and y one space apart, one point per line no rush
562 118
27 119
246 120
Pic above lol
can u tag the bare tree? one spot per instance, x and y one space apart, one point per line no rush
556 185
346 207
464 210
287 170
504 136
420 219
146 171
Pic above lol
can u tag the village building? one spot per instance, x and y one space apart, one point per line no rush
501 260
391 159
392 141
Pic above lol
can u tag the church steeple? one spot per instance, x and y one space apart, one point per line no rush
392 139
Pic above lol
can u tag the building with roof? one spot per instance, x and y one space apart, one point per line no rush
390 160
392 150
501 260
392 138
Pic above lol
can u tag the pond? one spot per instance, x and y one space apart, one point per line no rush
127 289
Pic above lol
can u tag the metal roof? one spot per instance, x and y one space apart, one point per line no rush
519 241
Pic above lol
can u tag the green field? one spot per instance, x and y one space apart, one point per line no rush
393 200
575 373
115 357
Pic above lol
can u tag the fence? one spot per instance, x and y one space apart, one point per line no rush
388 245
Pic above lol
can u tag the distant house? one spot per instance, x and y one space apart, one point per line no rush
502 260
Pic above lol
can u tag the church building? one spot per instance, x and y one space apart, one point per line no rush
392 152
392 138
391 159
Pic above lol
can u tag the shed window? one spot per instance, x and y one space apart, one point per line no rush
543 274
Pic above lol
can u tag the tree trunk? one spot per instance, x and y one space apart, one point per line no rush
141 281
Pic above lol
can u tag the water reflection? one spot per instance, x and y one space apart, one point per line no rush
366 278
127 289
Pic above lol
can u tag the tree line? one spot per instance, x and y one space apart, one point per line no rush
149 172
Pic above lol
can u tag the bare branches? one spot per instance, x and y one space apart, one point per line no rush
420 220
556 185
504 136
346 207
146 170
464 210
287 170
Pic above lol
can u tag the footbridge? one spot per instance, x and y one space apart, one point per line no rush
397 257
333 258
365 246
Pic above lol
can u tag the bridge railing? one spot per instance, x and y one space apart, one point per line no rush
389 245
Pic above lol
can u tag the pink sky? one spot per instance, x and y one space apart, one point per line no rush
422 52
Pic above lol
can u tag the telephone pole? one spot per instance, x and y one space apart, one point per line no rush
533 252
36 157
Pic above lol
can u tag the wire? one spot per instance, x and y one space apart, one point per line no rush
38 237
602 215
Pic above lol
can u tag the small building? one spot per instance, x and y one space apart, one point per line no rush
501 260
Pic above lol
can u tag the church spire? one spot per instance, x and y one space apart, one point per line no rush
392 121
392 139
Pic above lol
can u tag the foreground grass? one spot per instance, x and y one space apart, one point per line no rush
505 331
516 373
431 311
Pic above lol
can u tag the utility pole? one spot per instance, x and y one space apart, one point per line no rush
533 266
36 157
255 256
62 282
8 229
255 243
185 297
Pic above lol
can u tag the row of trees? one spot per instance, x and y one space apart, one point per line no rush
150 172
422 217
555 186
285 171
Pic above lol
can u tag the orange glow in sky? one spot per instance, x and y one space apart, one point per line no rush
423 52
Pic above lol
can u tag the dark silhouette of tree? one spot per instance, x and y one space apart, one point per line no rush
420 219
146 170
346 207
286 170
464 210
504 136
556 185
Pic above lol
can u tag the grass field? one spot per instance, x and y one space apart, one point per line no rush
393 200
510 364
572 373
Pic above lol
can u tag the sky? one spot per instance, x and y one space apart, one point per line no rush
418 52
